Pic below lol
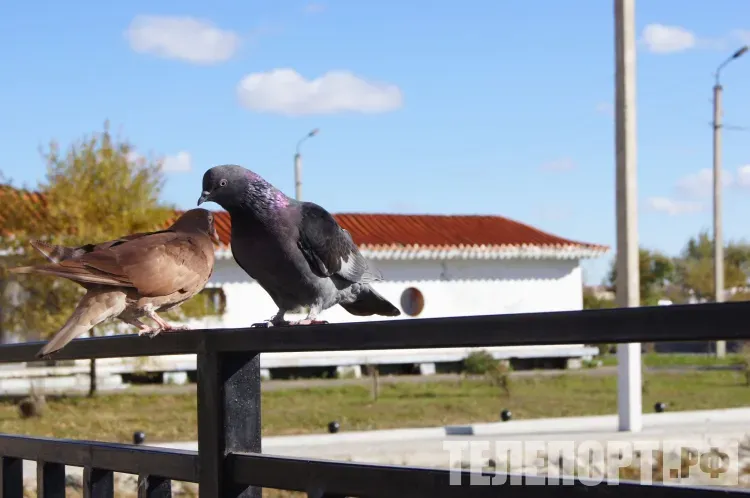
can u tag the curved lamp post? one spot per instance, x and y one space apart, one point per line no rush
298 166
718 236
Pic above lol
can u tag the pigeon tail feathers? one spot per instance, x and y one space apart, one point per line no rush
22 270
94 308
53 253
370 302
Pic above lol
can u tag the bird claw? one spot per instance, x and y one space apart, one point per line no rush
178 327
149 332
308 321
273 322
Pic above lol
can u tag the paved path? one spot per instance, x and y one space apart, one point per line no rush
724 429
425 446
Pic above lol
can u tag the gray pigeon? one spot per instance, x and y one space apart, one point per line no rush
295 250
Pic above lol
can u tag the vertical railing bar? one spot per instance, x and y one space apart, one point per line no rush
11 477
210 438
50 480
242 412
228 418
98 483
154 487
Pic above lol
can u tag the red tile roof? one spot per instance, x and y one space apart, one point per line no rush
34 205
409 231
381 231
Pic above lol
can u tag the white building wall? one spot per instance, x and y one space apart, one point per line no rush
450 288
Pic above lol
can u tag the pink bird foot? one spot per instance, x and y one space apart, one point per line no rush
165 325
149 332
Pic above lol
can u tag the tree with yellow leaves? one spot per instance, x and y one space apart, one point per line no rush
96 190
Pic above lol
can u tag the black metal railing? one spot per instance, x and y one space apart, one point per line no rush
229 462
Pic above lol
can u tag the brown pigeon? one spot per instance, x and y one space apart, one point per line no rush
56 253
134 276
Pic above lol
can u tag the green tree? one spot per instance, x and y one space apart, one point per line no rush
95 191
656 271
695 266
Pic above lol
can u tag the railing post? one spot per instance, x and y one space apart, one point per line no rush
154 487
11 477
50 480
228 417
98 483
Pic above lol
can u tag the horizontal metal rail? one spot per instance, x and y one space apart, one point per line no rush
690 322
180 465
322 477
230 463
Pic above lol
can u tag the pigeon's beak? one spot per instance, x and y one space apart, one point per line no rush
205 196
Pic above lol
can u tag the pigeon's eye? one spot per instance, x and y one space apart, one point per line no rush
223 182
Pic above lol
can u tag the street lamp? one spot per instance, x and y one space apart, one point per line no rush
721 346
298 166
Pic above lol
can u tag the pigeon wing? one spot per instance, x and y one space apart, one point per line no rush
56 253
158 264
155 265
328 248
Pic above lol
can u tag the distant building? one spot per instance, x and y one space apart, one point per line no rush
433 266
601 292
436 266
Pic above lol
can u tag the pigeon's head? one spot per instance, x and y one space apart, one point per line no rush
225 185
197 220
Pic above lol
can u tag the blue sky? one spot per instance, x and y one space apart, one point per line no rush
492 107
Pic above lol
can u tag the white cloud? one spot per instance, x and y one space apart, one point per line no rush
553 212
605 108
314 8
284 91
134 157
564 164
184 38
674 207
663 39
743 176
177 163
700 184
698 188
743 35
403 207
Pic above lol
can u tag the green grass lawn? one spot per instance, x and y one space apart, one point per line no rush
679 360
172 417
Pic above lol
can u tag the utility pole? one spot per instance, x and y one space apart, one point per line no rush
297 177
721 346
629 382
298 166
